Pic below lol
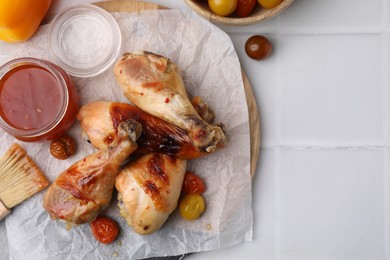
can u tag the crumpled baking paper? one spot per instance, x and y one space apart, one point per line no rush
211 69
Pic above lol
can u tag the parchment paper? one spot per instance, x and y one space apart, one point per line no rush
211 69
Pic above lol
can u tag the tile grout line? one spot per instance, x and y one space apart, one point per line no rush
386 194
386 131
278 235
385 78
278 97
278 112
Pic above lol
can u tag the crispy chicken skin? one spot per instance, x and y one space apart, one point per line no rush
82 191
154 84
149 189
99 122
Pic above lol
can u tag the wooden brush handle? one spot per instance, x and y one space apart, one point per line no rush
3 211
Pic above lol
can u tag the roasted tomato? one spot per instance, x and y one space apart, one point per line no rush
104 229
192 206
223 7
258 47
193 184
245 7
269 3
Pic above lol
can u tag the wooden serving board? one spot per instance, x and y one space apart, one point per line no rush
254 120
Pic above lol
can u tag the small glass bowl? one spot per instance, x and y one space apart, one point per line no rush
84 40
65 97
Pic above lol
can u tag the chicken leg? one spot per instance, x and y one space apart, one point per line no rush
82 191
154 84
149 189
99 121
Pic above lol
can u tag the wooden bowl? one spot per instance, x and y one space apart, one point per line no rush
259 14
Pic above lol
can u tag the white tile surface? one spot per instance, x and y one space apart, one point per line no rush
333 14
331 89
324 100
331 204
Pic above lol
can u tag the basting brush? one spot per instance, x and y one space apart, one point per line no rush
20 178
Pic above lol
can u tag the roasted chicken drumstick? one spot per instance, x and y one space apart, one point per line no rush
148 190
99 122
82 191
149 187
154 84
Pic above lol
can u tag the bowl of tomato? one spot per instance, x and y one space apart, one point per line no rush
238 12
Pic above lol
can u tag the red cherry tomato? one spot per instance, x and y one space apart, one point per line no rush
193 184
104 229
258 47
245 7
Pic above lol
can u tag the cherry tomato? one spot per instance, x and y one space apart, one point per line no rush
192 206
223 7
258 47
268 4
104 229
245 7
193 184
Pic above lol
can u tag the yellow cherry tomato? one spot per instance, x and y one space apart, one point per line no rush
192 206
223 7
268 4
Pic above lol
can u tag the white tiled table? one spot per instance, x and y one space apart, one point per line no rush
321 190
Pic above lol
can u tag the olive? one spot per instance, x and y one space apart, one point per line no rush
258 47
